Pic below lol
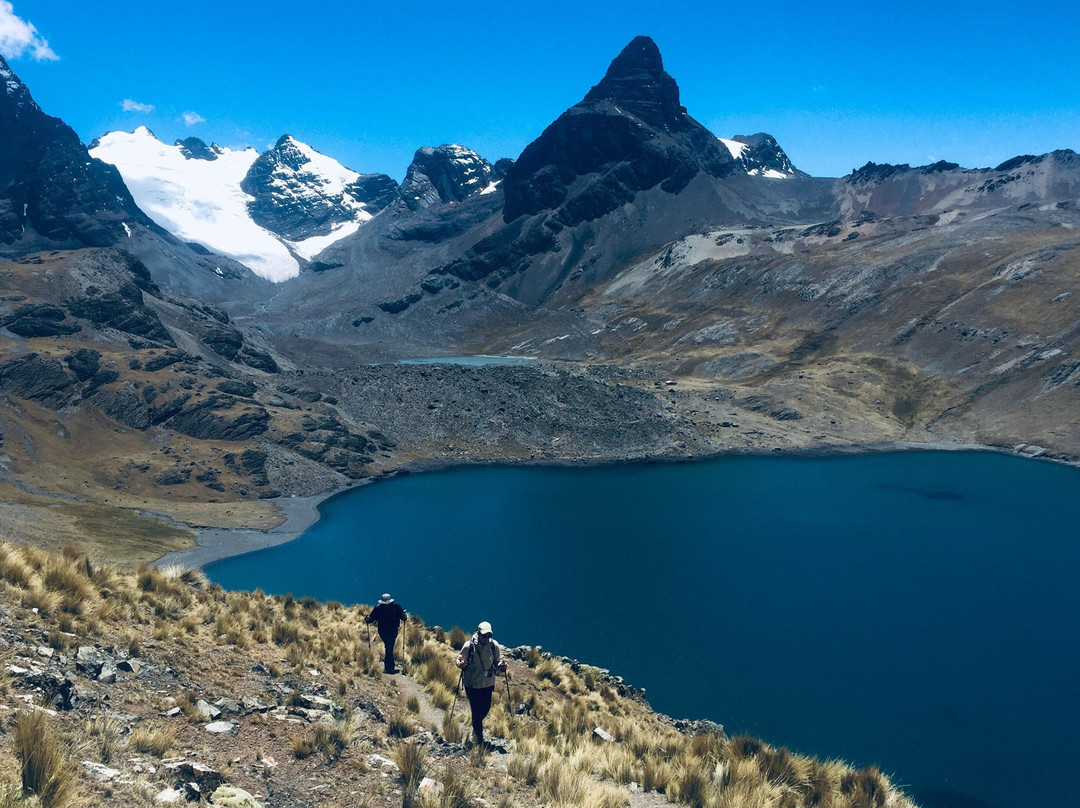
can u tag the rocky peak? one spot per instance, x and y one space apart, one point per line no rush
636 82
194 148
16 93
764 156
628 134
50 187
299 193
449 173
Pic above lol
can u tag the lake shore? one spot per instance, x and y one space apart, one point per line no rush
301 512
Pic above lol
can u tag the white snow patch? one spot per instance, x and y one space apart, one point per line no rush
736 148
310 247
197 200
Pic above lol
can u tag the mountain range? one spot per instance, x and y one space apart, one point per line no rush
187 327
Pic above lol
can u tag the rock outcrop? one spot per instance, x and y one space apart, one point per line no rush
50 187
448 173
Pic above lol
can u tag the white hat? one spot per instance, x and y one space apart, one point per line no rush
386 598
484 627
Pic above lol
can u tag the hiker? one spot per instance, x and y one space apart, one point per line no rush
479 659
388 614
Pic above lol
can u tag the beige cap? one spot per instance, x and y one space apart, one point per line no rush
484 627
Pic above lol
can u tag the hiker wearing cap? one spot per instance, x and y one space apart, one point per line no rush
479 660
388 614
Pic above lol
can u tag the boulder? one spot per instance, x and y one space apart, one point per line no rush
108 672
90 660
208 710
186 772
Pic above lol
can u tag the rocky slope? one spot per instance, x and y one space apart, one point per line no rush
154 687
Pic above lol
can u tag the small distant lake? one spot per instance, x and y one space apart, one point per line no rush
480 360
913 610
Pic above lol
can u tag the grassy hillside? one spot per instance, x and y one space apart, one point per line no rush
137 687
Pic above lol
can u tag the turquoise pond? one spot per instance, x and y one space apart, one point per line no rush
913 610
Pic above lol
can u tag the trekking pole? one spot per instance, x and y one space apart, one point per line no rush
457 692
369 636
509 700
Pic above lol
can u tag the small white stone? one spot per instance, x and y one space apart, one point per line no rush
100 771
168 796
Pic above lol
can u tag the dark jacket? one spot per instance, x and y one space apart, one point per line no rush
388 616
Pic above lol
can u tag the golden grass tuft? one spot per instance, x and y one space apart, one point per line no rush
45 769
411 760
152 739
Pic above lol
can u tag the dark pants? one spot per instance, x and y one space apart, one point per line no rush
480 704
388 640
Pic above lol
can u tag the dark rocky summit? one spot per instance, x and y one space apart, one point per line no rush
447 174
765 154
629 133
50 187
194 148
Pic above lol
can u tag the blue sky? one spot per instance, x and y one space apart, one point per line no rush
837 83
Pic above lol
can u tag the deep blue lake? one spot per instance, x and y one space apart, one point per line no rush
914 610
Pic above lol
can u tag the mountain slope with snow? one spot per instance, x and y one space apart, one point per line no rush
267 211
301 195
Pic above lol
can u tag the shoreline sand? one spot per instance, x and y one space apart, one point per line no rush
215 544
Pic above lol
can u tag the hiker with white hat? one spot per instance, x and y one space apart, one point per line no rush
388 614
479 659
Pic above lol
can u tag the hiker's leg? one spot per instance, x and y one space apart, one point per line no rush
480 705
389 640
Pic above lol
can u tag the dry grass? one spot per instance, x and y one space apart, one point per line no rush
152 740
555 751
46 772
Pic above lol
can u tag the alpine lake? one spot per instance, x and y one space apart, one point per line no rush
914 610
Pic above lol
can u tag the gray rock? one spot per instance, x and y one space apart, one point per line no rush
222 728
313 702
208 710
253 705
130 666
228 706
108 672
90 660
99 771
204 778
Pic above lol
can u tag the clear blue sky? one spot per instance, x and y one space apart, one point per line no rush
836 83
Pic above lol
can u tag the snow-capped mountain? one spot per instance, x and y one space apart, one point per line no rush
265 211
761 156
299 194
